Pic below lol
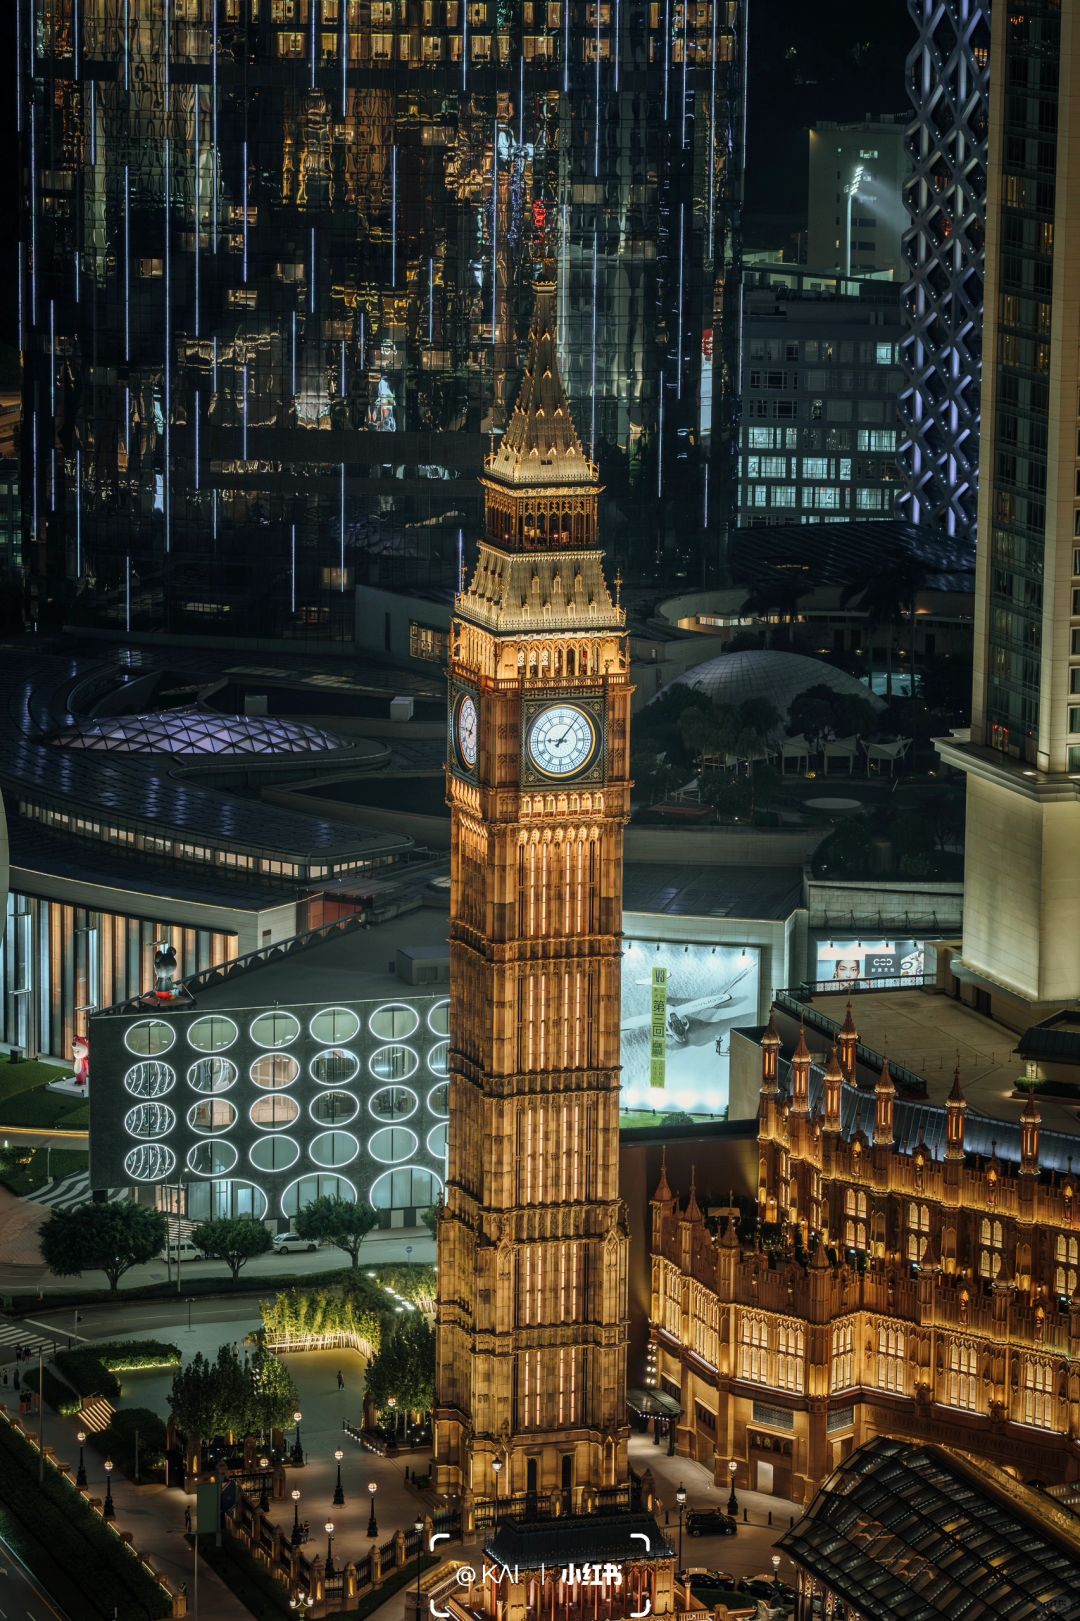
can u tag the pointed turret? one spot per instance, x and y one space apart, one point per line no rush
541 452
1030 1121
847 1041
693 1209
884 1107
800 1076
955 1117
834 1091
663 1202
770 1050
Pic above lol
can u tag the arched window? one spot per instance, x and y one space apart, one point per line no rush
963 1384
1039 1402
891 1349
842 1372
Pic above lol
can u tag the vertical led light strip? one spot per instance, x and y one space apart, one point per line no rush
127 48
596 100
127 263
494 234
667 56
312 4
685 66
215 172
464 44
244 199
682 270
712 131
615 44
198 200
566 45
78 515
344 4
341 582
393 216
33 214
592 388
167 401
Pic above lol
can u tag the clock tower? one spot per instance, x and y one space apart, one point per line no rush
532 1241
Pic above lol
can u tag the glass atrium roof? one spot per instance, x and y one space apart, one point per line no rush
734 678
198 731
917 1533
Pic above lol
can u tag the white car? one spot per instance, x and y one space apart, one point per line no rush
184 1251
286 1243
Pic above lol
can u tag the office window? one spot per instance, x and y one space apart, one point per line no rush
783 495
885 354
815 467
868 500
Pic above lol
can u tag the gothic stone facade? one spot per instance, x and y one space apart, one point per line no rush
884 1292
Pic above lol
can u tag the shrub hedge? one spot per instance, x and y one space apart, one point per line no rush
84 1370
118 1442
92 1369
60 1396
58 1533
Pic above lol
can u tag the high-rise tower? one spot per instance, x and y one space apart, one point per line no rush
1022 879
277 263
532 1238
948 74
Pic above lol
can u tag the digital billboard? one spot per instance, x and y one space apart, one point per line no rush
679 1004
848 961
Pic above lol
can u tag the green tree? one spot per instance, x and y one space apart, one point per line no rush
234 1240
886 590
109 1238
194 1401
232 1380
274 1396
404 1367
337 1221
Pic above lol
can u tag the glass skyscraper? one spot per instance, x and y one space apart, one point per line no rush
277 273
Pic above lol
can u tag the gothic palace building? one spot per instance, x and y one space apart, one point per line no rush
886 1290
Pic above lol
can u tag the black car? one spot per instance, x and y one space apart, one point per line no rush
711 1522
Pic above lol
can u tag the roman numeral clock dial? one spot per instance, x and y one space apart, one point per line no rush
561 740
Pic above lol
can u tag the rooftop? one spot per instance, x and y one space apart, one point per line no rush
199 732
697 891
903 1532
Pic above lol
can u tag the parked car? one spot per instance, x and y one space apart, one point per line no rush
184 1251
703 1576
711 1522
285 1243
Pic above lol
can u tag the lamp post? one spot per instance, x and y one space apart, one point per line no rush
80 1478
418 1527
297 1455
264 1500
294 1539
372 1524
301 1604
339 1490
496 1469
329 1529
733 1501
391 1402
110 1511
850 191
680 1498
776 1568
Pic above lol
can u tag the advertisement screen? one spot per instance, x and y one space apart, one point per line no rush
846 961
679 1004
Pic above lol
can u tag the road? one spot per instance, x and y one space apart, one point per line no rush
20 1594
416 1245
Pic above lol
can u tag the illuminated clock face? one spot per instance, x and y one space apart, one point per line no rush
466 731
561 740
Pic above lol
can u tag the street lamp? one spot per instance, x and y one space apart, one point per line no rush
264 1500
80 1478
850 191
496 1468
329 1529
776 1568
301 1604
372 1524
339 1490
110 1511
680 1498
418 1527
295 1538
733 1501
391 1402
297 1455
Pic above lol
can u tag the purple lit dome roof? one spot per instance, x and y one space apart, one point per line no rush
199 731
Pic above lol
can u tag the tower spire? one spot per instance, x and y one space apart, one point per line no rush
541 445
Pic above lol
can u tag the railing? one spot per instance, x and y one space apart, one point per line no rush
795 1003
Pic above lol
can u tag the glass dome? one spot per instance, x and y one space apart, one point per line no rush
778 677
199 731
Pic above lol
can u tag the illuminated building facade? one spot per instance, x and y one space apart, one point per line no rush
533 1240
1021 947
277 270
948 75
886 1290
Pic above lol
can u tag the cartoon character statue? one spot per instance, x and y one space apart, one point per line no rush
80 1052
165 969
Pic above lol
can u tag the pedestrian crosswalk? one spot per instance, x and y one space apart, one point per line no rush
16 1334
